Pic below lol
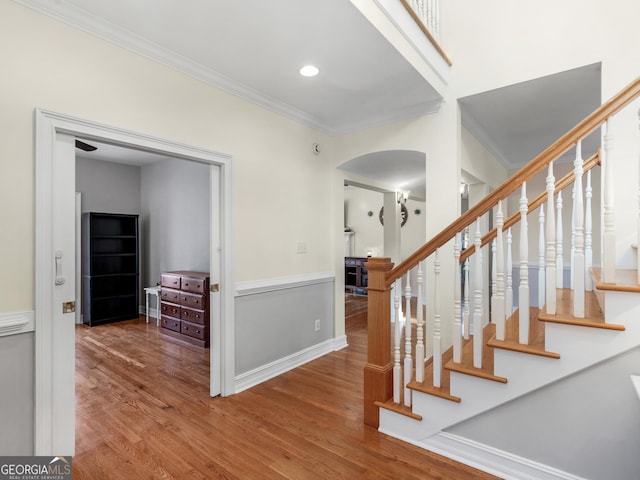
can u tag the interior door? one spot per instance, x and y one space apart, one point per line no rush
215 243
64 292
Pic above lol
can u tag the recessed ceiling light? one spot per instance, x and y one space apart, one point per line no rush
309 71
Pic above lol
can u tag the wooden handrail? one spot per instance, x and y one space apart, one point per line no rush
533 204
555 150
426 31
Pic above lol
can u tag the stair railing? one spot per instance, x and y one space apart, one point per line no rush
383 376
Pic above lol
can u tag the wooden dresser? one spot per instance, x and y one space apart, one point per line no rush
184 306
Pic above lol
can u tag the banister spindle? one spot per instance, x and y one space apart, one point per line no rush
408 358
541 290
457 313
573 236
437 337
638 226
578 217
477 299
609 215
523 291
466 313
419 327
493 277
499 303
588 235
508 298
397 369
550 296
559 247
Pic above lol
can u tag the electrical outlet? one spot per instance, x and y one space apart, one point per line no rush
301 247
317 325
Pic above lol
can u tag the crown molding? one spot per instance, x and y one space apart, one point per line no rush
93 25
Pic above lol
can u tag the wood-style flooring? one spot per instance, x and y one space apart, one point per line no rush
144 412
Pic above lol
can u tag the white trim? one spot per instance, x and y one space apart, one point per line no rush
635 380
48 125
409 29
339 343
488 459
282 283
15 323
278 367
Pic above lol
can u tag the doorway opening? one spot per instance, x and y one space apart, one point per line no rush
55 266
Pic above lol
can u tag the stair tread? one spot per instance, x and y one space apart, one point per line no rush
466 364
626 280
592 312
444 391
511 341
399 408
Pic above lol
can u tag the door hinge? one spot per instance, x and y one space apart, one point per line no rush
68 307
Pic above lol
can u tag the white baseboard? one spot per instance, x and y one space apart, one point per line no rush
488 459
265 372
340 343
15 323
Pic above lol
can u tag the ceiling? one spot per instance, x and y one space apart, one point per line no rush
255 48
517 122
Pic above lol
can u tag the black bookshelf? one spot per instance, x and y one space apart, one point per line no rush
110 267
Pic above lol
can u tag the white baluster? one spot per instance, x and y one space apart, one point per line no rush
477 299
420 329
523 291
638 236
457 313
493 277
437 337
550 296
397 369
559 248
609 216
436 16
408 359
499 303
578 218
508 298
573 235
466 313
588 236
541 291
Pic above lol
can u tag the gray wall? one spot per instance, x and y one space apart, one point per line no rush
587 424
16 394
274 325
176 204
108 187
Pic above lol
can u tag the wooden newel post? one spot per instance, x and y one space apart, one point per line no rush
378 379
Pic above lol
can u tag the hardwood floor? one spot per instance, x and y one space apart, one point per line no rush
143 412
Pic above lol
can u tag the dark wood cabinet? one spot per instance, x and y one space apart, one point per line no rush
110 267
356 278
184 306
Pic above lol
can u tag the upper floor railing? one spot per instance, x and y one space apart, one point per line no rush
426 14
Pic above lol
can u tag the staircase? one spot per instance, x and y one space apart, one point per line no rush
480 363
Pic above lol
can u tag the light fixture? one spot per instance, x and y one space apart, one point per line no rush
309 71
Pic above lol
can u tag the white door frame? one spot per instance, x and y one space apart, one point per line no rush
50 410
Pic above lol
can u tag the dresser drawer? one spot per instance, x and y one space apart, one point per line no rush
170 309
194 330
194 316
170 280
193 300
193 284
170 323
170 295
